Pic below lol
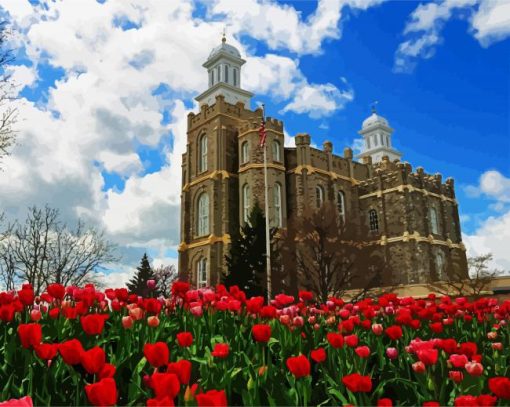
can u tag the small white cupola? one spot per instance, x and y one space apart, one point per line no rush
224 74
376 133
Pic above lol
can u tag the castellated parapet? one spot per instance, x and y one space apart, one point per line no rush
409 219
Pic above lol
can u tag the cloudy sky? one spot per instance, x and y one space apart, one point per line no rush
105 88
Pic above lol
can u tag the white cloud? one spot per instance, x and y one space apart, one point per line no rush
492 21
491 237
489 22
123 164
319 100
492 184
22 76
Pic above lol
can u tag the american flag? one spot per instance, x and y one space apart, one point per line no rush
262 132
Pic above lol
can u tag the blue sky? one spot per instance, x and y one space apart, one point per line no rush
105 88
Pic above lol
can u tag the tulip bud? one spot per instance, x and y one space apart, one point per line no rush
497 346
312 319
492 335
35 315
151 284
330 320
153 321
298 321
456 376
377 329
418 367
392 353
316 327
136 313
262 370
197 311
474 368
127 322
284 319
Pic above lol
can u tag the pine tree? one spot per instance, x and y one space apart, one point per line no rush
246 262
138 284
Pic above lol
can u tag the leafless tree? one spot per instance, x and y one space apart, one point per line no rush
45 250
480 276
327 259
165 276
8 113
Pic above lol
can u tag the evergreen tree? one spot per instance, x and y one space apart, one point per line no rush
138 284
246 262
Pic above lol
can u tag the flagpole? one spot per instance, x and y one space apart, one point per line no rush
266 199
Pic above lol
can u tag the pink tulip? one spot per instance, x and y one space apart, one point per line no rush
127 322
497 346
153 321
419 367
377 329
151 284
35 315
474 368
392 353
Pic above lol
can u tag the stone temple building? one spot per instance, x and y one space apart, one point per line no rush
410 217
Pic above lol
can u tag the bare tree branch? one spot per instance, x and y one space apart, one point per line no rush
165 276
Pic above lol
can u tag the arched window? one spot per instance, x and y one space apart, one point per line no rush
225 73
319 196
276 150
368 143
341 205
387 141
202 273
380 137
246 202
375 140
245 152
277 197
203 215
434 225
203 153
440 269
211 78
374 221
234 74
218 73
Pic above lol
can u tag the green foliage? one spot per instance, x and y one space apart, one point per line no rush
246 262
138 284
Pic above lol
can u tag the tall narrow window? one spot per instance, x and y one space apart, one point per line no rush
211 78
374 221
225 73
341 205
234 74
387 141
203 153
368 143
440 269
277 205
375 140
380 137
203 214
202 273
434 225
218 73
245 152
319 196
276 150
246 202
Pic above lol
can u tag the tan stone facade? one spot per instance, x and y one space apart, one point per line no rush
410 218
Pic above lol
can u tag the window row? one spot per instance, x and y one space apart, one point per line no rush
377 139
275 151
319 201
223 73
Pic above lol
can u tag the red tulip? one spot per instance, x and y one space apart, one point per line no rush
431 404
46 351
26 296
357 383
93 324
384 403
428 356
299 366
185 339
162 402
458 361
318 355
102 393
474 368
71 351
486 400
215 398
351 340
93 360
22 402
7 312
221 350
394 332
182 369
419 367
157 354
305 295
436 327
456 376
468 348
165 385
261 332
57 291
336 340
30 335
108 370
500 386
362 351
465 401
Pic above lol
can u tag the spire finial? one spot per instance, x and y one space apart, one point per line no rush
373 105
223 38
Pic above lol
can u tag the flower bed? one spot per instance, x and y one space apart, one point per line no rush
74 346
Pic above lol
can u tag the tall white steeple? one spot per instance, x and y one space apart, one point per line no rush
224 73
376 133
